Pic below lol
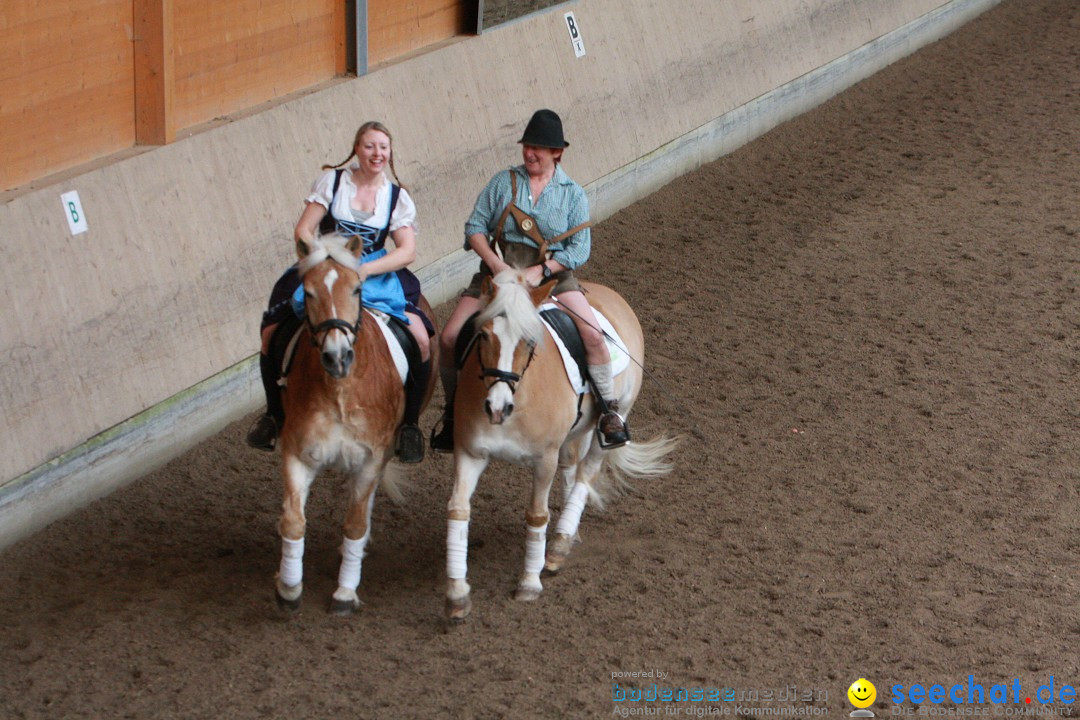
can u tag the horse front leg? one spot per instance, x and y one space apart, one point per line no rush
357 531
289 580
536 522
467 473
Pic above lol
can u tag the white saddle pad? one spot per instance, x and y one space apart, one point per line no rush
400 361
619 359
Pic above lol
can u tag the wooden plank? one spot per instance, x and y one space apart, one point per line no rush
252 51
155 76
396 28
44 139
66 73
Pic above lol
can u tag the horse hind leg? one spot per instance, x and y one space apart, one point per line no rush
566 531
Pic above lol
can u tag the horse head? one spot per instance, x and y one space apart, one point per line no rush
508 330
332 283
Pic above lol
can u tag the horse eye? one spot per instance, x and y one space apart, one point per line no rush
357 289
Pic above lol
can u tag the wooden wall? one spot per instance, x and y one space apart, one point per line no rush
235 54
81 79
66 78
398 27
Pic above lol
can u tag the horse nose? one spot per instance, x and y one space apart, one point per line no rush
337 364
497 417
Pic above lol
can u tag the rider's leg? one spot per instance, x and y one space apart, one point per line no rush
263 434
410 443
613 431
443 440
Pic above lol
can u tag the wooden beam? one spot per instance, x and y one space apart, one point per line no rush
341 55
154 72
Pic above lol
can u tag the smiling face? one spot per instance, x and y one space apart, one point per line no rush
539 161
373 151
862 693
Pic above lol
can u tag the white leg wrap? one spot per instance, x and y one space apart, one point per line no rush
352 555
572 509
292 562
457 548
535 545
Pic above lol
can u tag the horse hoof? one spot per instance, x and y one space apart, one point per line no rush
344 608
527 594
287 605
557 552
458 609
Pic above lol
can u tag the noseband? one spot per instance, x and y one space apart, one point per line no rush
510 378
332 324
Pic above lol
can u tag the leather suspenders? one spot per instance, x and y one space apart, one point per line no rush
527 224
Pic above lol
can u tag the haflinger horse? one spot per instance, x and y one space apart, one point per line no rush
343 403
515 402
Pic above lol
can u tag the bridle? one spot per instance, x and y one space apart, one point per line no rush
352 330
333 324
510 378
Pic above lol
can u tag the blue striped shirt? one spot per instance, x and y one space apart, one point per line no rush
561 206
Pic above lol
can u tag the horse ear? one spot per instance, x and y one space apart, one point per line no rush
487 287
303 248
355 245
542 292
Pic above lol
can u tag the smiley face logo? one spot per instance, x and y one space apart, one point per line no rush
862 693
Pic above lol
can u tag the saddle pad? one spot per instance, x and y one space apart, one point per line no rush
620 360
396 351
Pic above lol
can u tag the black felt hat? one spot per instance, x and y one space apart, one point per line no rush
544 130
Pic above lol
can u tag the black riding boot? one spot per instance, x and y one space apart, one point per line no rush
264 433
442 435
410 441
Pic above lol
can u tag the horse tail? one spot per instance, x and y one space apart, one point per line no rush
634 460
395 480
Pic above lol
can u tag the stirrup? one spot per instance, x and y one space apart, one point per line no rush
442 435
410 444
612 437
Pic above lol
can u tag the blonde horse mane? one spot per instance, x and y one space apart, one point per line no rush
512 300
326 246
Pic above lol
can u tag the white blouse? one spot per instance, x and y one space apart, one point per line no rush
341 204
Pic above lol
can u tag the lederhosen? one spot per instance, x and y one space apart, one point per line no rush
522 255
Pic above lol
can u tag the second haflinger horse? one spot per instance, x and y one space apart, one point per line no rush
517 400
344 400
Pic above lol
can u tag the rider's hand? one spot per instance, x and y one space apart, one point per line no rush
534 275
